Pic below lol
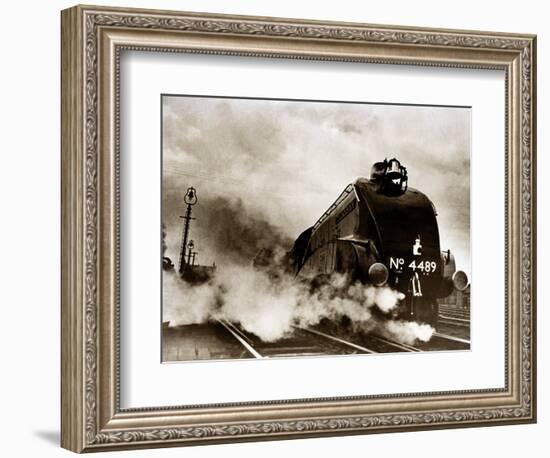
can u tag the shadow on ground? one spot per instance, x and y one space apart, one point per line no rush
51 437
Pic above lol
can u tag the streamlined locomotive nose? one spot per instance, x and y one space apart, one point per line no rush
380 232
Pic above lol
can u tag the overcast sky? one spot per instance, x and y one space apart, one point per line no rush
285 162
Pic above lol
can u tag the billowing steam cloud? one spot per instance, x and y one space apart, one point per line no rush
271 308
238 233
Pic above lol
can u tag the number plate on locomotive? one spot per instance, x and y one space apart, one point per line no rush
423 266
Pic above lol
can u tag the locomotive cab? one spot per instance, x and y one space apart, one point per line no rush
381 232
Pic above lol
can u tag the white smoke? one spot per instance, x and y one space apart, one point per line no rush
271 307
408 331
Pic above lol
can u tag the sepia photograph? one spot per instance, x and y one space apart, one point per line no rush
306 228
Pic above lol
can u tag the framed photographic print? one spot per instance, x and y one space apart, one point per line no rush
367 274
277 228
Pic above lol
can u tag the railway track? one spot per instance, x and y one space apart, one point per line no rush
398 345
227 340
451 338
454 321
454 313
241 337
314 342
317 342
445 342
338 339
303 342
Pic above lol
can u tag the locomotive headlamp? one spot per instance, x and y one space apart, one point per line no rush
378 274
460 280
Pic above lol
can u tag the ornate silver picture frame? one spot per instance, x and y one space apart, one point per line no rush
93 41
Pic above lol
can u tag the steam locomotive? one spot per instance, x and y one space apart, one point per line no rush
381 232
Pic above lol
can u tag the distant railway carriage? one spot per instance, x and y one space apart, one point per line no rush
381 232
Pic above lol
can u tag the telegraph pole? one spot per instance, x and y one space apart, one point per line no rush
190 199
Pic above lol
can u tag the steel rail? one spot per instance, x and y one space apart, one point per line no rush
448 337
399 345
244 343
239 331
445 317
337 339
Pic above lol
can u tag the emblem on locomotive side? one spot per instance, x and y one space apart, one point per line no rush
417 247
